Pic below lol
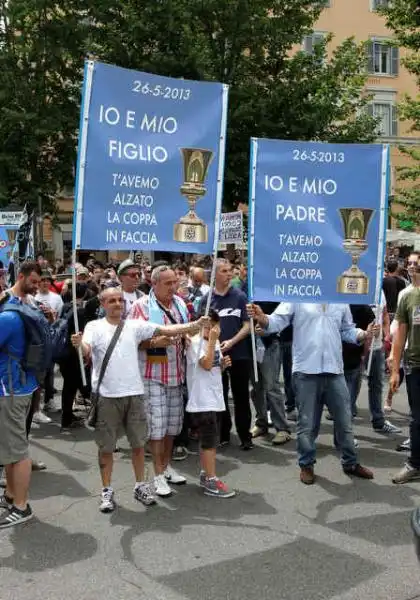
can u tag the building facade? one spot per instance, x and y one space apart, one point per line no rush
388 81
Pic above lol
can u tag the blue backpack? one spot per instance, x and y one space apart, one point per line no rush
38 357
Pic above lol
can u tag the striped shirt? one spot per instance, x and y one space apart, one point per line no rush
169 370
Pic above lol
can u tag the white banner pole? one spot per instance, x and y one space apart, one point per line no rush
251 216
83 133
381 247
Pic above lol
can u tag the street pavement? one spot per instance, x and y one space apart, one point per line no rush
341 539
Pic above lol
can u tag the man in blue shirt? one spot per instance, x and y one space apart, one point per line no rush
16 389
318 332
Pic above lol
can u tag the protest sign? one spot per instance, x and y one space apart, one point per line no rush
10 218
318 218
231 228
150 161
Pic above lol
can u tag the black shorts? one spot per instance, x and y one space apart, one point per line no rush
206 424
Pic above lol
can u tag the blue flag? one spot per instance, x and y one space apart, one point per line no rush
150 161
318 221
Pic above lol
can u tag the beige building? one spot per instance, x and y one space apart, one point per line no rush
388 80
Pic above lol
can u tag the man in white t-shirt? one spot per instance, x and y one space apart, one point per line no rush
129 276
47 298
121 393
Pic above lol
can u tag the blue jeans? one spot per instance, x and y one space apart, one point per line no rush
353 379
267 393
312 392
375 388
286 360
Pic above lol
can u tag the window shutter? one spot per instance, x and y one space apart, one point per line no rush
308 44
395 60
370 57
394 121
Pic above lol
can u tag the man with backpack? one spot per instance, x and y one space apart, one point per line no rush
19 359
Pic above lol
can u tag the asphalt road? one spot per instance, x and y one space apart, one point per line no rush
341 539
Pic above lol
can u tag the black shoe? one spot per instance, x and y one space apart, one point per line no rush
15 516
247 445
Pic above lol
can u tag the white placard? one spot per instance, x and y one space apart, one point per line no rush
231 228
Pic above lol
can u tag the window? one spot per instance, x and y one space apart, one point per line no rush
309 41
386 112
383 59
375 4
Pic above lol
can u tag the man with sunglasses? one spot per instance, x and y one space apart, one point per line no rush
129 276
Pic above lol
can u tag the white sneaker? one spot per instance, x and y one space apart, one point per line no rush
107 500
174 477
162 488
41 418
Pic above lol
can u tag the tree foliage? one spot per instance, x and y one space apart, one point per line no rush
250 44
403 18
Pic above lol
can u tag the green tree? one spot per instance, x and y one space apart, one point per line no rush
249 44
41 63
403 18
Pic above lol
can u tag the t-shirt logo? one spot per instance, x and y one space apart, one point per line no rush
230 312
416 315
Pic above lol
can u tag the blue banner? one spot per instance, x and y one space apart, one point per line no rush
7 237
318 221
150 161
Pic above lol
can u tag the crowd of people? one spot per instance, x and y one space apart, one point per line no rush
162 360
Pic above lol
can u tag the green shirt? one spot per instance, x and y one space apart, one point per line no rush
408 312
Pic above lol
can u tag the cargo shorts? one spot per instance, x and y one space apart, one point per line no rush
14 445
120 415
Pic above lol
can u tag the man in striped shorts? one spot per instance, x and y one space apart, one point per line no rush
162 362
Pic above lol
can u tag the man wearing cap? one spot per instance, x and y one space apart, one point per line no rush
129 276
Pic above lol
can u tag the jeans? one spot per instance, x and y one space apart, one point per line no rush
375 388
286 360
239 375
312 392
353 379
267 393
49 386
413 392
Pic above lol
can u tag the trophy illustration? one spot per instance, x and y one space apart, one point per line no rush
196 165
355 223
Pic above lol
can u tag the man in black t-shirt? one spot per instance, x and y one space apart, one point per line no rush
392 286
363 316
230 304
